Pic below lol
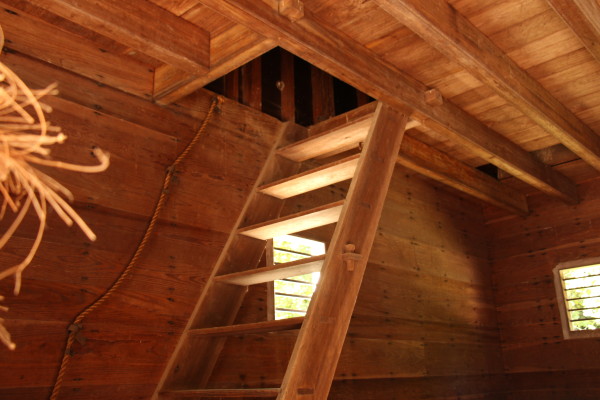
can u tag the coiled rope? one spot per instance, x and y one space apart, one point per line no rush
76 325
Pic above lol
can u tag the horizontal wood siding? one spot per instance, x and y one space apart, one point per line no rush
539 362
128 339
424 323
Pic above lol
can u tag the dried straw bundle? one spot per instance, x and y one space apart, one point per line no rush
25 138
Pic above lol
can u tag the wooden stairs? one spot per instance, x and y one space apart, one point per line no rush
322 331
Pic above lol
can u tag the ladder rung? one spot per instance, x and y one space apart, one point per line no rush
341 138
227 393
336 135
316 178
255 327
298 222
274 272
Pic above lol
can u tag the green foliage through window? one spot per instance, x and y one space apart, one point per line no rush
293 294
581 287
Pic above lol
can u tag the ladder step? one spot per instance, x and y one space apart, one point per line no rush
297 222
336 135
273 272
226 393
337 140
256 327
316 178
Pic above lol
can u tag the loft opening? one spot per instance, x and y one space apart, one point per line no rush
289 88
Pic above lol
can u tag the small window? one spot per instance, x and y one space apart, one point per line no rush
292 295
578 290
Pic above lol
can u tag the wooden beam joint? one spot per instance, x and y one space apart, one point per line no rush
433 97
291 9
349 256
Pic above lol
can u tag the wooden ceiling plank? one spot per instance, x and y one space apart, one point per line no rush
351 62
583 17
171 39
440 167
457 38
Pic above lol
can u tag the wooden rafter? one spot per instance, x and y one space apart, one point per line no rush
583 17
440 167
352 62
85 59
174 40
417 156
440 25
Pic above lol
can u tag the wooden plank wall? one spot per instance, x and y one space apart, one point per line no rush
539 363
424 326
131 336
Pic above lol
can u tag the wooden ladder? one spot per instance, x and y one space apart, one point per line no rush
323 330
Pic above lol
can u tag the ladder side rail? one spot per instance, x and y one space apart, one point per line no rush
184 359
314 359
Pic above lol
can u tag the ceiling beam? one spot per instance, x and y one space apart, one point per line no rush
26 34
430 162
172 84
440 25
440 167
583 17
171 39
349 61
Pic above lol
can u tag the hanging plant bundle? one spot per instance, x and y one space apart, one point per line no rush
26 138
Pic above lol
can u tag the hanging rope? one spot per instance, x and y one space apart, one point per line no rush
76 326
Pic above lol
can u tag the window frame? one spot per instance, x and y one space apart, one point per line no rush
562 302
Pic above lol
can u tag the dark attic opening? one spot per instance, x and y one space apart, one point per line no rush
286 87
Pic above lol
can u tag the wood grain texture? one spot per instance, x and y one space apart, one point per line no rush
304 220
453 35
524 252
273 272
437 165
131 336
322 334
350 61
176 41
75 54
313 179
583 18
229 50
